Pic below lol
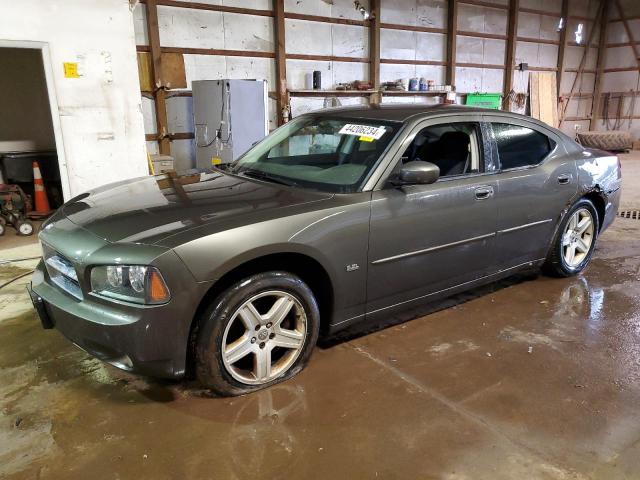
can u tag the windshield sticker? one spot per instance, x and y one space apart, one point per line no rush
366 139
363 131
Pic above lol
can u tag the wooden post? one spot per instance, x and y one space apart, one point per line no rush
563 44
374 52
282 94
159 93
452 33
602 51
510 51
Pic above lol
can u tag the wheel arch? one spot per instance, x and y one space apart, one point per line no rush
303 265
597 198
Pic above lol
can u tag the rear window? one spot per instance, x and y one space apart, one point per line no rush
520 146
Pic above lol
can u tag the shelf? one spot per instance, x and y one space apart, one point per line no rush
400 93
331 93
363 93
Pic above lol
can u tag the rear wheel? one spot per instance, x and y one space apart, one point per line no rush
575 241
260 331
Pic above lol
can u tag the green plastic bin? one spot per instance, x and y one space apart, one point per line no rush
485 100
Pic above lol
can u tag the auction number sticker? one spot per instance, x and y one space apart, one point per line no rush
363 131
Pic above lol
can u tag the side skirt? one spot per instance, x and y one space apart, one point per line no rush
434 296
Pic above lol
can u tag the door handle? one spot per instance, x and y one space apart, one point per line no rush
482 193
565 178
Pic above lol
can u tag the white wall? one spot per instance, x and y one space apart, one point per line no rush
100 117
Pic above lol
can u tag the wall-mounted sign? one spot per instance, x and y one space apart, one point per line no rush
71 70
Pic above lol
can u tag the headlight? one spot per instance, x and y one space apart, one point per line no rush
131 283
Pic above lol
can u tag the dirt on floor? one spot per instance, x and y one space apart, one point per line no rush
532 377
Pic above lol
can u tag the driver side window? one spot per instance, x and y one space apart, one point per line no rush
454 147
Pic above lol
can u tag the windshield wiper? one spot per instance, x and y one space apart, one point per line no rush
260 175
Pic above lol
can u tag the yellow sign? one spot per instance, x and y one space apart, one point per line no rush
366 139
70 70
216 161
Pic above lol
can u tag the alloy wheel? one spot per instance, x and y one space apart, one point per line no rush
577 237
264 337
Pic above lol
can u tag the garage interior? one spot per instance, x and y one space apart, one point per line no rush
530 377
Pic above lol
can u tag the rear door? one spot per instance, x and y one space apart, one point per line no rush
537 179
425 239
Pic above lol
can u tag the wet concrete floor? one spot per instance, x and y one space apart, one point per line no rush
534 377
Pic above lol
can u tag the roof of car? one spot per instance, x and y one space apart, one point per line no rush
403 112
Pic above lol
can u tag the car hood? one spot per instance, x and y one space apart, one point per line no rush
150 209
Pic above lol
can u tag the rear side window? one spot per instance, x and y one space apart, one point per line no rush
520 146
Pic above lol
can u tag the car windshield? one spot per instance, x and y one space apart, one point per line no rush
328 154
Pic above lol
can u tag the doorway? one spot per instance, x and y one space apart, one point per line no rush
29 122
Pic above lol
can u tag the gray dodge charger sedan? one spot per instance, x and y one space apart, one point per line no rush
339 217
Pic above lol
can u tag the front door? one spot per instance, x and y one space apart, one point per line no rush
426 239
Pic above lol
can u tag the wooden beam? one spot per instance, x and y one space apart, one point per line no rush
510 50
602 50
621 44
537 40
479 3
214 8
323 19
209 51
282 97
496 66
452 35
629 18
620 69
151 137
374 51
540 12
159 93
495 36
327 58
413 62
563 43
412 28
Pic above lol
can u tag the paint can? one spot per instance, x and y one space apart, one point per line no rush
423 84
317 80
413 84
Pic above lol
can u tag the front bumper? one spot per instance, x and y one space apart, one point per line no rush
151 340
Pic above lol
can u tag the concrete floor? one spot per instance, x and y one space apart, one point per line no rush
533 378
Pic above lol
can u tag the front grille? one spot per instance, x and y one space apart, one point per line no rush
62 272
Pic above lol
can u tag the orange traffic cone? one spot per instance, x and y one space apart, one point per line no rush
40 195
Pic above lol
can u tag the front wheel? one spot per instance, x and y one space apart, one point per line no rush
258 332
575 241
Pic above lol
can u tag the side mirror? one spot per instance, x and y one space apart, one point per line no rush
418 173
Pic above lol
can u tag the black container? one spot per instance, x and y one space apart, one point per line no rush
317 80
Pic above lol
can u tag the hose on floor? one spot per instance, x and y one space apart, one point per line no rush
16 278
16 260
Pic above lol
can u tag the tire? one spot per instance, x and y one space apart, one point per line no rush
2 229
560 262
24 228
240 318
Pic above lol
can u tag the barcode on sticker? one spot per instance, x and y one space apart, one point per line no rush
363 131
